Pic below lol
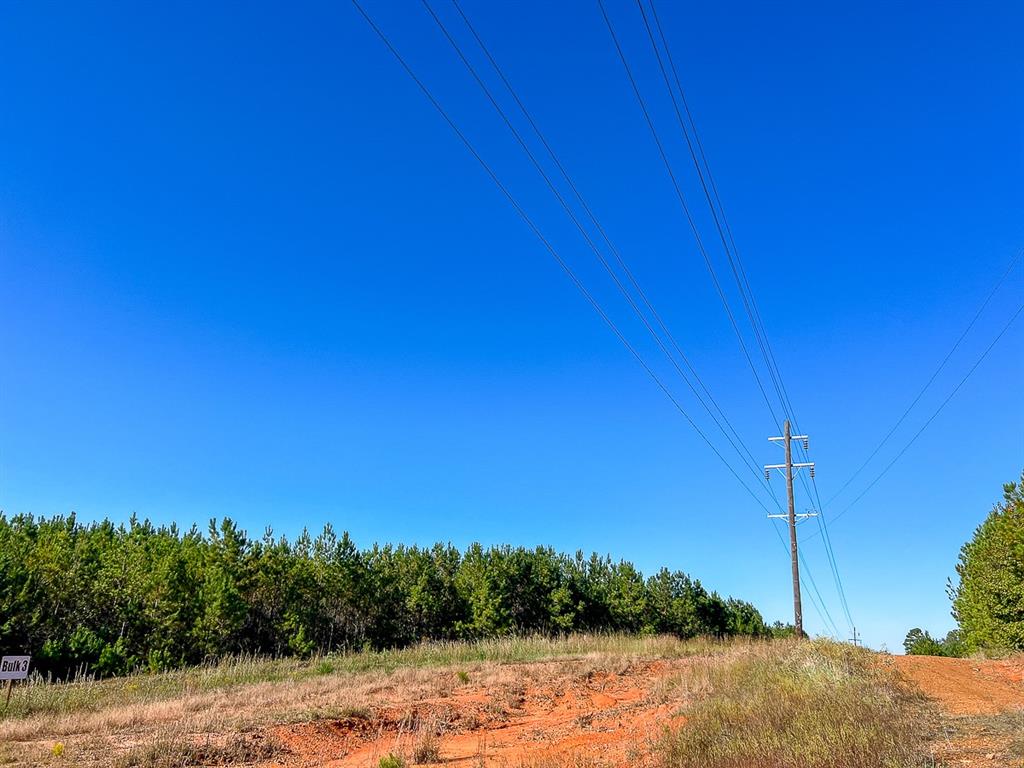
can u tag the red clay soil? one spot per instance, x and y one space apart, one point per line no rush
612 718
967 686
982 706
606 716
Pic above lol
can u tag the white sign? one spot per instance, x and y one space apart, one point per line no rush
14 667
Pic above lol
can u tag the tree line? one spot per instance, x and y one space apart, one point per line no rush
116 598
988 599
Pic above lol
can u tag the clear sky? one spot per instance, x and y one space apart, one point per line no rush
247 270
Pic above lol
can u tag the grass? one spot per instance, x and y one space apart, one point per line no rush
798 705
179 751
104 723
427 749
1005 728
771 705
39 696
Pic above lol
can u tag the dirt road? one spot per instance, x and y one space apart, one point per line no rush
982 705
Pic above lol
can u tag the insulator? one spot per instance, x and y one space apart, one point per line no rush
807 444
767 474
812 471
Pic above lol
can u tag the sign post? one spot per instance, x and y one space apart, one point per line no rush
13 668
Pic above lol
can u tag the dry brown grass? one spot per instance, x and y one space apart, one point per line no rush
105 723
182 751
778 705
796 705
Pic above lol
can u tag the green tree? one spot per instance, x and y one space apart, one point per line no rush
919 642
988 602
109 599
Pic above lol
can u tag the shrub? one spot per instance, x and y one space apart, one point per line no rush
919 643
427 749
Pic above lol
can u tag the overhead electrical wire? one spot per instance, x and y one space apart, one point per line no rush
744 297
931 379
830 554
623 289
685 206
822 610
823 530
593 218
713 199
937 411
739 272
547 244
817 602
574 278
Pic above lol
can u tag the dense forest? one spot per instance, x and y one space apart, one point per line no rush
116 598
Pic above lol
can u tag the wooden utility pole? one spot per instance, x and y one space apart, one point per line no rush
791 515
798 611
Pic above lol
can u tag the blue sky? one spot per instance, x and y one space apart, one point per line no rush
247 270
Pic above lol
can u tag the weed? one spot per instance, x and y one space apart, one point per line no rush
802 705
427 749
392 761
356 713
178 751
1005 727
463 676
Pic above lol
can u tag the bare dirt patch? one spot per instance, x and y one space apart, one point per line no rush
967 686
982 705
606 716
606 707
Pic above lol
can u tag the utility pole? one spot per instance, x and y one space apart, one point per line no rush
855 639
791 516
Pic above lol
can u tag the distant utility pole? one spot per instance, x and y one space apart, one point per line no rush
856 638
789 466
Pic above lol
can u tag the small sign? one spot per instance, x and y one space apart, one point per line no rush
14 667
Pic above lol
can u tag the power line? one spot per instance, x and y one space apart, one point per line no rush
623 289
830 554
821 609
746 299
823 525
717 209
932 378
935 414
725 234
823 531
685 207
547 244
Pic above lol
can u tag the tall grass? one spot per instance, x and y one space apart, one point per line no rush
87 694
798 705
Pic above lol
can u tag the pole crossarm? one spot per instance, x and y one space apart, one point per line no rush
788 467
798 515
